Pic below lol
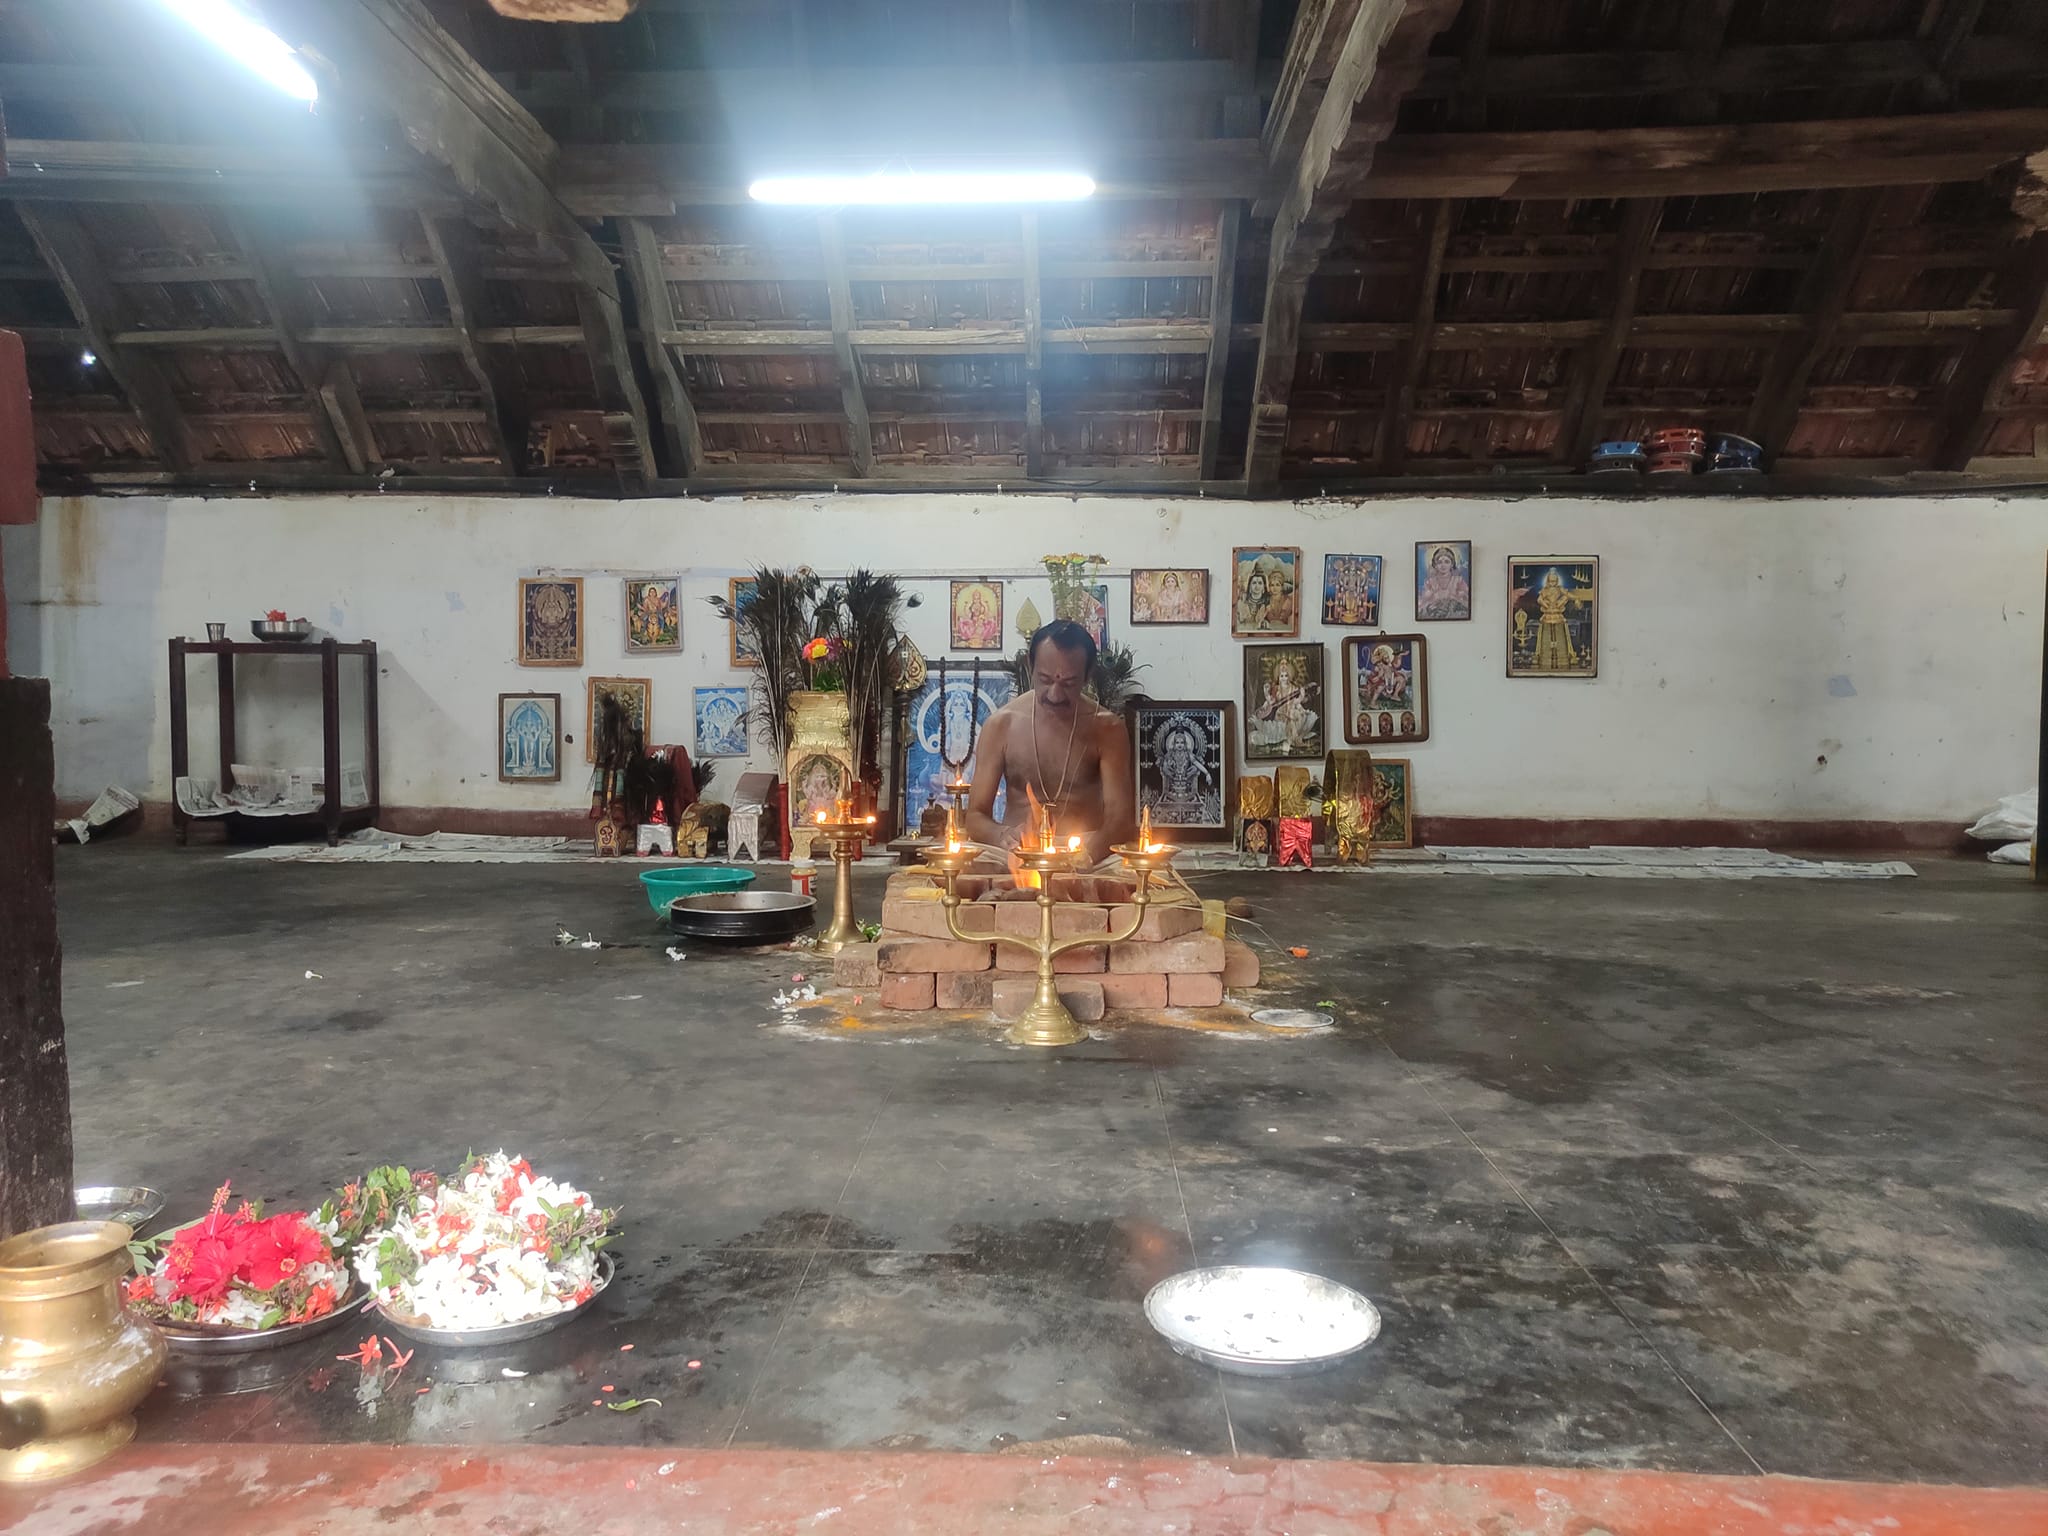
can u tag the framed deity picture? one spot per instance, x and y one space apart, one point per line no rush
1265 593
1092 613
942 723
530 738
1393 799
1370 802
1386 688
1351 591
551 621
1183 753
1443 580
977 609
720 715
635 696
654 616
740 593
1169 596
1284 703
1554 616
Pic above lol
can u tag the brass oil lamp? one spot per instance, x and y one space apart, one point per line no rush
848 835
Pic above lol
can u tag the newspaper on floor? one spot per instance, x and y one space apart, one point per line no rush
261 790
113 803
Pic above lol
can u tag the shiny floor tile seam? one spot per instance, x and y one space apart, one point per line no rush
1607 1297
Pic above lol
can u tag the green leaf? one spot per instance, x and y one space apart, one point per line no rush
634 1402
271 1318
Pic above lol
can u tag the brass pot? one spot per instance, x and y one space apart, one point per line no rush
73 1361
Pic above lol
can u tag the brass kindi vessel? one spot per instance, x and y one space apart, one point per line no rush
73 1361
849 837
1048 1021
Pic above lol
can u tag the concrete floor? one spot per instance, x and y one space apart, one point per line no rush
1693 1176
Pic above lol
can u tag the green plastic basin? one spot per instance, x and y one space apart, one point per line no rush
665 885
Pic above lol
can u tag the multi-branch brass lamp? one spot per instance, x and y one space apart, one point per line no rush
1048 1021
849 835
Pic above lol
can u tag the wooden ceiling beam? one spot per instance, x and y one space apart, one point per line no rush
97 307
1594 372
1969 412
454 244
1034 351
860 432
393 55
1824 299
1702 34
681 425
1469 103
1414 353
1222 307
1375 51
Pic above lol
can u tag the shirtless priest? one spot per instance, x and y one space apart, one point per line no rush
1067 750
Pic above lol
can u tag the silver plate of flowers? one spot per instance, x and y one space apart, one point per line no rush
1261 1321
503 1333
227 1339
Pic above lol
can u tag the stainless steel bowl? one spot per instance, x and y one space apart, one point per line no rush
129 1204
1261 1321
748 917
280 629
504 1333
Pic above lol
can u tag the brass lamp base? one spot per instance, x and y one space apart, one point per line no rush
1047 1021
42 1460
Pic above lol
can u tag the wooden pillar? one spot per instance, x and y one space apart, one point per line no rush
35 1080
2041 769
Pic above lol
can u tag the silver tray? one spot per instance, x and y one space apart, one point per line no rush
504 1333
1330 1322
215 1339
129 1204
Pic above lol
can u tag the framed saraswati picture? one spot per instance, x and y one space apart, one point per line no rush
1183 753
551 621
1284 703
1554 616
1386 689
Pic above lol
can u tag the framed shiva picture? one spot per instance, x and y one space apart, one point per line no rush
530 738
1183 754
1351 591
551 621
740 593
1386 688
1265 592
1554 616
654 616
635 696
1176 596
1443 580
977 609
720 716
1284 702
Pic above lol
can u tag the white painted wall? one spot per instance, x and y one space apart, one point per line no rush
1741 641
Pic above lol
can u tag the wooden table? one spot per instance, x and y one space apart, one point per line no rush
330 652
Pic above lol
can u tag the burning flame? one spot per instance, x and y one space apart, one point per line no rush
1041 817
1073 845
821 818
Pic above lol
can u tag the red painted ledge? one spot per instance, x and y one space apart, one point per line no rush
261 1490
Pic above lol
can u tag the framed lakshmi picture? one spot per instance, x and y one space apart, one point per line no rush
1443 580
530 738
1554 616
1284 703
1183 753
720 717
740 592
635 696
1351 591
654 616
1386 688
1169 596
1265 592
977 609
551 621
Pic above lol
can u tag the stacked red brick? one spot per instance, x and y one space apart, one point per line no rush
1169 962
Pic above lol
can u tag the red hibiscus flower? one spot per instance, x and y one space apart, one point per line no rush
278 1249
203 1267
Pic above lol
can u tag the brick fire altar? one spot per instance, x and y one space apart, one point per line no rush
1169 962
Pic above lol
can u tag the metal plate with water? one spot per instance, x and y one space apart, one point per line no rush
129 1204
1292 1018
1261 1321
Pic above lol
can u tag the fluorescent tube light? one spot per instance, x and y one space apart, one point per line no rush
885 187
245 39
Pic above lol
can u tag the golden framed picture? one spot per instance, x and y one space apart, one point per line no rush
635 696
551 621
1554 616
654 616
977 609
1265 593
1177 595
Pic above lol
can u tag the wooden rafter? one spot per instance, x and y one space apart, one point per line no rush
1824 298
1594 371
1470 102
1702 33
860 432
1222 306
1414 353
681 425
1980 378
95 304
454 244
1334 153
345 438
393 54
1034 353
1950 27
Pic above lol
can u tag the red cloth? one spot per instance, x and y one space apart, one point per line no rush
1297 841
682 791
